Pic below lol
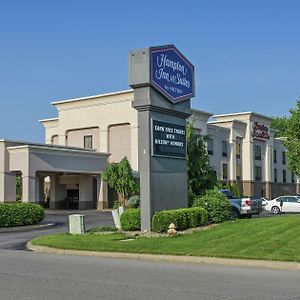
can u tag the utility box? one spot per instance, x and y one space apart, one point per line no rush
76 224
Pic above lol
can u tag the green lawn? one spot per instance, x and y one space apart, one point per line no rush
276 238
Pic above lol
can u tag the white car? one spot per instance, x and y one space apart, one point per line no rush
284 204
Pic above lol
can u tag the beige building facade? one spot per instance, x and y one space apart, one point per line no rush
92 131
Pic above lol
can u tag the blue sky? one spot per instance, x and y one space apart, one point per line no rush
246 53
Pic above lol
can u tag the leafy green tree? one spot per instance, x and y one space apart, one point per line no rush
292 139
18 187
201 175
279 124
119 176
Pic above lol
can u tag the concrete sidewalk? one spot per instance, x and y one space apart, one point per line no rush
290 266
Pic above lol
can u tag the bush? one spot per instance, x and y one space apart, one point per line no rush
131 219
16 214
216 204
133 201
183 218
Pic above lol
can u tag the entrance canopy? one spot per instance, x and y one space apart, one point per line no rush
64 165
30 159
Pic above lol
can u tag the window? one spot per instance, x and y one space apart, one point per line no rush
224 148
238 172
238 150
257 173
284 176
275 156
257 152
292 177
283 157
225 171
210 146
88 142
275 175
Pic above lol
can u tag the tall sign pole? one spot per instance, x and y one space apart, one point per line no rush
163 83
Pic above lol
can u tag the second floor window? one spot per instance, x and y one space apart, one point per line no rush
88 142
224 148
257 152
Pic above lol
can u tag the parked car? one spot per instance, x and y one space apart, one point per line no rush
264 202
287 203
243 207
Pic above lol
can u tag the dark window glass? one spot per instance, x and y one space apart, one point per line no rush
283 175
238 172
210 146
292 177
88 141
238 150
225 171
257 173
275 175
283 157
257 152
275 156
224 148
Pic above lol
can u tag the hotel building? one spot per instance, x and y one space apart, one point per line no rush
92 131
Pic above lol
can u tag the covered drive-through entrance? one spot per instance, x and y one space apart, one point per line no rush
74 174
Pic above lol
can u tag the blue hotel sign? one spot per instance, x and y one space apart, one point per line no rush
171 73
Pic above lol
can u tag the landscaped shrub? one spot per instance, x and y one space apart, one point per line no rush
216 204
183 218
16 214
131 219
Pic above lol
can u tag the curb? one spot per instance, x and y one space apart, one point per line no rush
25 228
278 265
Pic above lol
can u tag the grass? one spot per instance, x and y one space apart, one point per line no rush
276 238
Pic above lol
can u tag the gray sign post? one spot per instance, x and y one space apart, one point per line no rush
163 83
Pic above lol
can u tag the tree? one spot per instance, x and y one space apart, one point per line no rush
292 139
18 188
279 124
201 175
119 176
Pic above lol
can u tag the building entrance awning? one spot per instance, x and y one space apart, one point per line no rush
30 159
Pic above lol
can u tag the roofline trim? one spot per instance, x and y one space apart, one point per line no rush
91 97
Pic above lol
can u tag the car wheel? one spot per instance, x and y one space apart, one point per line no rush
234 214
275 210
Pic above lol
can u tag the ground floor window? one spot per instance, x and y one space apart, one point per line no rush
284 176
258 176
225 171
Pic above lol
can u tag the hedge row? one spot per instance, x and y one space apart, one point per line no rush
131 219
16 214
183 218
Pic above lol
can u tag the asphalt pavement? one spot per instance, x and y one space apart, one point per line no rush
18 239
29 276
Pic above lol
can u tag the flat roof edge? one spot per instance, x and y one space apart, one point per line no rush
92 97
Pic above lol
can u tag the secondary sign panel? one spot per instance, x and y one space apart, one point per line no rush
168 139
171 73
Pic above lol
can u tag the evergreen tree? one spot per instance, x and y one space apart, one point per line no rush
201 175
